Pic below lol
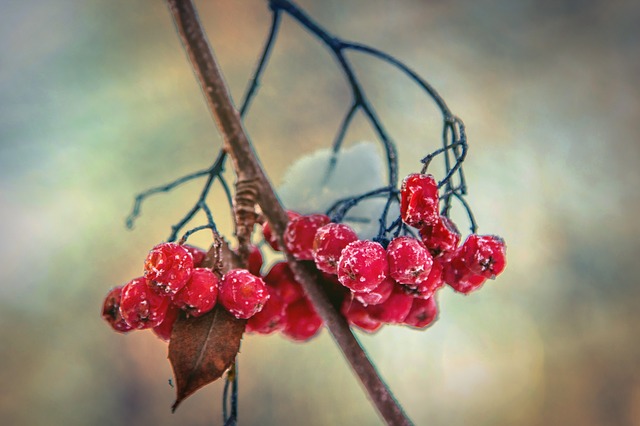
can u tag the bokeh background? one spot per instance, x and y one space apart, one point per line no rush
98 103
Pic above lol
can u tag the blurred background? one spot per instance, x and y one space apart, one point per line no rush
98 103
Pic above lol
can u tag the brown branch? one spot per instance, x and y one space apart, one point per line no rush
248 169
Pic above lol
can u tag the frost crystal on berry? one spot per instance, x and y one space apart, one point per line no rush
140 306
328 244
242 294
409 261
362 265
200 293
168 267
419 200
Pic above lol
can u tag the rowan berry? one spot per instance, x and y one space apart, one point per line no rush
362 265
423 312
164 329
167 268
270 318
140 306
428 287
409 261
419 200
280 279
357 314
442 238
484 254
300 233
301 321
197 253
242 294
269 237
328 244
254 262
200 293
378 294
395 309
111 311
459 276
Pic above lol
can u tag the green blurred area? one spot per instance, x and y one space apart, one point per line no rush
98 103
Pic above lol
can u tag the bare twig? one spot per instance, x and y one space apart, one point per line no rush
237 145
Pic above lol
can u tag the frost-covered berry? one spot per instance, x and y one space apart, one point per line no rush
419 200
460 277
484 254
423 312
409 261
328 244
140 306
167 268
280 278
441 238
378 294
270 318
242 294
362 265
301 321
300 232
269 237
111 311
197 253
357 314
200 293
395 309
434 282
163 331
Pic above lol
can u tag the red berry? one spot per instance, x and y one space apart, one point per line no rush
362 265
200 294
409 261
255 260
270 318
378 294
197 253
168 268
423 312
428 287
328 244
140 306
301 321
268 233
242 293
393 310
163 331
442 238
281 280
459 277
484 254
356 314
300 232
419 200
111 311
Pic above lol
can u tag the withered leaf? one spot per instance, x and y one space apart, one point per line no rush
202 349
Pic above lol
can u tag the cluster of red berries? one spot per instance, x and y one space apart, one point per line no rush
375 285
172 281
370 284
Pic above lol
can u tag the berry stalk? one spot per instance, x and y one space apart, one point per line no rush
248 169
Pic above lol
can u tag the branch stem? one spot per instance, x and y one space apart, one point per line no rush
248 169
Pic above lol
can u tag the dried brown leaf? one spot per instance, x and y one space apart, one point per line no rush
202 349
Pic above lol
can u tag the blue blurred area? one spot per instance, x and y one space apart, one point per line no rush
98 103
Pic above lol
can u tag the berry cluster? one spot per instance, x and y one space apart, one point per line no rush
173 281
372 284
